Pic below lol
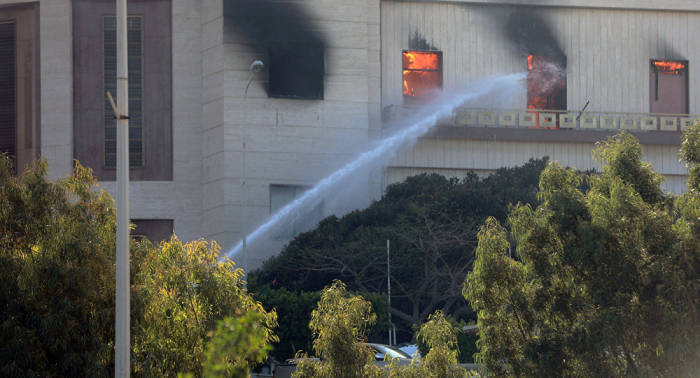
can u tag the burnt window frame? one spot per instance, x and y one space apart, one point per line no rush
653 76
439 71
279 71
12 103
136 132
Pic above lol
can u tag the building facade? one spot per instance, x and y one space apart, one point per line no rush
215 150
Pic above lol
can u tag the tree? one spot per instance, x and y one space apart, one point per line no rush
608 282
180 292
431 222
294 314
56 274
339 325
466 343
57 286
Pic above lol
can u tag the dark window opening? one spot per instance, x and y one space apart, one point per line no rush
546 84
422 75
135 74
669 87
8 89
155 230
296 71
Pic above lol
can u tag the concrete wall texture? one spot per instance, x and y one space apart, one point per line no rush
294 143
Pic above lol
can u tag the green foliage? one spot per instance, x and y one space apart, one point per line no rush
431 222
56 274
440 336
690 154
609 280
466 343
57 287
294 314
180 293
236 342
339 324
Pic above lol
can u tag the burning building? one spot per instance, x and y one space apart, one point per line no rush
336 72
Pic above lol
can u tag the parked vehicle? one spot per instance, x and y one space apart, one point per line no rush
383 355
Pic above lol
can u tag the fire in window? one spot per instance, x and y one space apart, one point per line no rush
546 82
422 74
296 71
669 87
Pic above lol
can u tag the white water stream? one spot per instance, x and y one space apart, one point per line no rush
498 92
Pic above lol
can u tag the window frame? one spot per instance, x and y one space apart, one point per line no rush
14 151
438 70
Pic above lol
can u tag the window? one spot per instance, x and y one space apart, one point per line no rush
149 27
546 84
296 71
155 230
135 68
422 75
305 219
8 89
669 86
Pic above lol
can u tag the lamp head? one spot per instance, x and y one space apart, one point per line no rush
256 67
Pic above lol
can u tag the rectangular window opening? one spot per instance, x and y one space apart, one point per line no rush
296 71
668 83
8 91
135 76
422 75
546 84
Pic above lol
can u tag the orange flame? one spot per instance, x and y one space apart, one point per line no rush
668 65
420 73
546 85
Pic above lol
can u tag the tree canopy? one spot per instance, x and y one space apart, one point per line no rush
607 281
431 222
57 288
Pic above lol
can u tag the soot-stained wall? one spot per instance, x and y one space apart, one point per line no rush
294 46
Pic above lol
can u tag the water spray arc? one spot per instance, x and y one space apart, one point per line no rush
409 135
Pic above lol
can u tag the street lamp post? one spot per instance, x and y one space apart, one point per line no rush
256 67
123 305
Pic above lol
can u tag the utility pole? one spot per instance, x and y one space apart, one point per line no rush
388 287
123 302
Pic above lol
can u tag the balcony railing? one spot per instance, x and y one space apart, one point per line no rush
561 119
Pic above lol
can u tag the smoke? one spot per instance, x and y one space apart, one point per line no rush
533 37
285 31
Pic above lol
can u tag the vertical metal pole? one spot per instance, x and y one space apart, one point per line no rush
244 215
388 285
123 305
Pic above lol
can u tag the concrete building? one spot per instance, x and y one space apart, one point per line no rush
336 72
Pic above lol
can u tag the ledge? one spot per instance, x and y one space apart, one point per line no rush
549 135
654 5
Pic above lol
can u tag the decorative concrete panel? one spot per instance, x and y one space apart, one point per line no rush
608 122
669 123
628 123
506 118
588 121
649 123
466 118
567 121
527 119
547 119
487 118
686 122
